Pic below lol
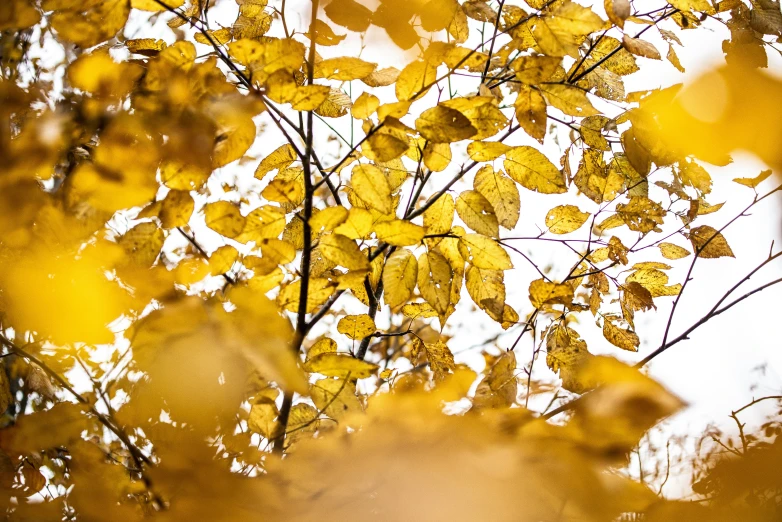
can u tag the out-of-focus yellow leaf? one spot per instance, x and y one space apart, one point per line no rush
60 297
349 14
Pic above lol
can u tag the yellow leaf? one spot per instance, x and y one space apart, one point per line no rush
567 353
281 158
416 310
264 222
89 23
532 170
343 251
484 252
544 292
487 290
440 359
142 243
398 232
328 219
152 5
350 14
565 218
336 398
42 430
277 251
486 150
364 106
674 59
530 109
319 290
400 275
283 191
437 156
322 346
753 182
414 80
654 281
695 176
343 69
263 419
641 48
568 98
99 74
709 243
434 281
358 224
382 78
501 192
372 187
224 218
438 218
477 213
145 46
220 36
19 14
620 337
442 124
671 251
533 70
340 365
176 209
309 97
483 112
356 326
222 260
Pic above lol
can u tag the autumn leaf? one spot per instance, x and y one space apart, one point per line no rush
565 218
709 243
